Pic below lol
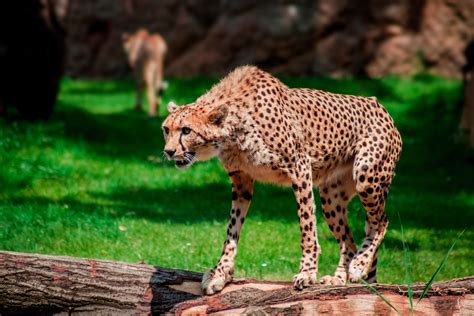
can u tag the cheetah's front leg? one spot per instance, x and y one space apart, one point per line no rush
215 279
303 189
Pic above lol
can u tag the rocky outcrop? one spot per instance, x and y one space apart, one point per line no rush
303 37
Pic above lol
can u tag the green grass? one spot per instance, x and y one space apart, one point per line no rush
91 182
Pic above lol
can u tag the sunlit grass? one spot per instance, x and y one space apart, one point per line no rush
91 182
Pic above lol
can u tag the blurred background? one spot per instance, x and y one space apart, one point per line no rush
82 39
91 180
325 37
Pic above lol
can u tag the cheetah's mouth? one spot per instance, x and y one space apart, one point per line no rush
189 159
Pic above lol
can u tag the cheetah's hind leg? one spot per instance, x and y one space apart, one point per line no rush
374 167
335 197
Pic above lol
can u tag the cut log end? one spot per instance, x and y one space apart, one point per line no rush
52 284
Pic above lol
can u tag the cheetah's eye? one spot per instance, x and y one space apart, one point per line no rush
166 130
185 130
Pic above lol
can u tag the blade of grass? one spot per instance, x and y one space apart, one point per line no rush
441 265
407 265
380 295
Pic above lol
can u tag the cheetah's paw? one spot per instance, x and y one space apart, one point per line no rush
213 281
304 279
358 270
332 280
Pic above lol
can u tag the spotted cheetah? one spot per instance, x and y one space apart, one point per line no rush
260 129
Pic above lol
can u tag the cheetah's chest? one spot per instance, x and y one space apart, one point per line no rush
257 166
268 175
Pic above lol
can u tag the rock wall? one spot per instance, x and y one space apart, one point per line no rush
302 37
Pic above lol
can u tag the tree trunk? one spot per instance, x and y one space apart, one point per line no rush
41 284
32 51
467 116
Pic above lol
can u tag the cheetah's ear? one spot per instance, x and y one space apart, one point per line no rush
172 106
217 116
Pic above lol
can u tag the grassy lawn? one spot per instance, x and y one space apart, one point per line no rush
91 182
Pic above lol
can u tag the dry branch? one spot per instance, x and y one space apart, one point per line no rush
52 284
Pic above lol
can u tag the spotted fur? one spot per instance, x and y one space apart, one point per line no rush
262 130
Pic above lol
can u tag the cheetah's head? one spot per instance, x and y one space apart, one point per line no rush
193 133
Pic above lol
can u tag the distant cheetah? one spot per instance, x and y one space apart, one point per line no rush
146 54
262 130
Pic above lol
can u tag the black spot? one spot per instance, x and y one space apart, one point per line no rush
247 195
233 221
238 212
234 195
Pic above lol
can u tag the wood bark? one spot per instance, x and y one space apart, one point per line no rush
43 284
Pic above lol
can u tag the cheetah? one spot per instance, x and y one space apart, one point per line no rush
145 54
262 130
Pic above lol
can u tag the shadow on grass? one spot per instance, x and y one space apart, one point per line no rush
97 87
188 204
127 134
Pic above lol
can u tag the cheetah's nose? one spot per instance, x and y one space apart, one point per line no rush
170 153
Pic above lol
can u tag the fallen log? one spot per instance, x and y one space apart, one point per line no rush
42 284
